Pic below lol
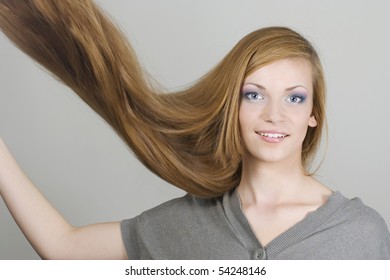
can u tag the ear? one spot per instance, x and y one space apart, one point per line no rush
312 121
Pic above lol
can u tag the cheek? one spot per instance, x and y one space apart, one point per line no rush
301 116
301 122
247 115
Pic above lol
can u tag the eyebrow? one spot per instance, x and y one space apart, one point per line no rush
263 88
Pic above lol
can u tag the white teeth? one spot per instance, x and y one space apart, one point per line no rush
273 135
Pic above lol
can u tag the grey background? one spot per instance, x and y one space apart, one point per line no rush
82 167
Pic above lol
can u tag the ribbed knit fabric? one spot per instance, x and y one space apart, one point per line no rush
196 228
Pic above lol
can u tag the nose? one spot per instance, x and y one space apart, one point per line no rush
273 112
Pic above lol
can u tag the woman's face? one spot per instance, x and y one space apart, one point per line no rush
276 110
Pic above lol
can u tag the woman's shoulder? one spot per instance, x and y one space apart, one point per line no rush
182 208
352 229
359 212
356 218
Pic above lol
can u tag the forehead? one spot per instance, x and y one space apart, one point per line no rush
283 73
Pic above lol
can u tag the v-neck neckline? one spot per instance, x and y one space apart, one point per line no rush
294 234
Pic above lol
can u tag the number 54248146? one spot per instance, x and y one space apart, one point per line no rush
232 270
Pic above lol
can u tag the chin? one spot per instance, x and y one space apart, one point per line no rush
274 157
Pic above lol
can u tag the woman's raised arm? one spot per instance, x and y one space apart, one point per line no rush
79 45
48 232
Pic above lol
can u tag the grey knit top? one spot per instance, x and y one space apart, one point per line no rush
216 228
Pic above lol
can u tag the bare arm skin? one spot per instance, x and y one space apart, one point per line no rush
71 39
48 232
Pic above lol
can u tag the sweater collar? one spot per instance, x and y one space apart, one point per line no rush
297 232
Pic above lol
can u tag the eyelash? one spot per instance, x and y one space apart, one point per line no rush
300 98
249 95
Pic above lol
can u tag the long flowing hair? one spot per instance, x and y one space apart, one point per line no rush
189 138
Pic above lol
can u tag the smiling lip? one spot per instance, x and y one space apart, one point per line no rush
272 136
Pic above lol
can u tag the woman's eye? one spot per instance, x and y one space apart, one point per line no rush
253 96
296 98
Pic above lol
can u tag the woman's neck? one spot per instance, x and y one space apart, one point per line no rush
272 182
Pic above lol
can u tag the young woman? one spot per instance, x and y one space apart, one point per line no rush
239 141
